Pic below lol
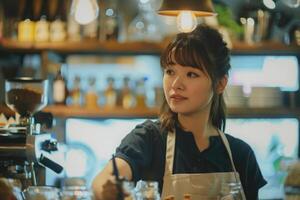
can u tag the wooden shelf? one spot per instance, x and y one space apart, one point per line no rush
91 46
76 111
268 47
276 112
71 111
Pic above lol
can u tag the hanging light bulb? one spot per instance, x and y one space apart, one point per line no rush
269 4
186 21
84 11
292 3
187 11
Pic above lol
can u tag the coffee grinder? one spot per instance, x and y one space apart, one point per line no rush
25 151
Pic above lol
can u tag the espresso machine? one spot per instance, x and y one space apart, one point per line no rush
25 151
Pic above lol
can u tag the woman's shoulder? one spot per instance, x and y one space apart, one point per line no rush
238 145
149 126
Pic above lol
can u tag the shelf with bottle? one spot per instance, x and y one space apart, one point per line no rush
96 46
103 112
88 46
266 47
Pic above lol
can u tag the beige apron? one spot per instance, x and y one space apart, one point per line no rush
204 186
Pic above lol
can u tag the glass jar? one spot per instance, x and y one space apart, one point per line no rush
231 191
147 190
41 193
76 193
129 190
10 189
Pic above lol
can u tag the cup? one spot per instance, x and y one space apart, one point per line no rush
231 191
76 193
147 190
41 193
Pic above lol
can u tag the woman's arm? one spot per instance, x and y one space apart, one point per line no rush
103 184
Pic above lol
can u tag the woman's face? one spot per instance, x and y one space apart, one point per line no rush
188 90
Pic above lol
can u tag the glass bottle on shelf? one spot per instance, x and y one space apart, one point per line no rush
110 28
91 97
76 93
128 99
171 197
187 197
58 26
141 93
42 25
144 27
26 25
59 88
90 30
73 27
110 93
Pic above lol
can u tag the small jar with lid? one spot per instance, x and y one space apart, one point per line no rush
147 190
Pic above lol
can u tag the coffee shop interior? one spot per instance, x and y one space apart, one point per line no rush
103 77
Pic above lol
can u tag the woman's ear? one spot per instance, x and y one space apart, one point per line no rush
222 84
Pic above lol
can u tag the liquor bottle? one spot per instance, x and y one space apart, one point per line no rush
26 25
91 98
73 27
76 93
110 93
59 89
128 99
58 26
170 197
187 197
90 30
42 25
141 93
110 28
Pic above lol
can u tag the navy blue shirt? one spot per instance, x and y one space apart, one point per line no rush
144 148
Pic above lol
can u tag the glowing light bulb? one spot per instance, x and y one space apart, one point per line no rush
186 21
269 4
292 3
85 11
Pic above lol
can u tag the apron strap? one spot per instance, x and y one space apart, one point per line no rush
170 151
227 146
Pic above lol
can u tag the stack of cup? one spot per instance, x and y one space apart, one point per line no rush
265 97
234 96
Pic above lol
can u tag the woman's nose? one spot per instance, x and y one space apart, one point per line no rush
178 83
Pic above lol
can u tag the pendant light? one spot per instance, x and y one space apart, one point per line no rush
84 11
186 12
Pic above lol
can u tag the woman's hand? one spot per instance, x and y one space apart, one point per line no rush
111 189
105 185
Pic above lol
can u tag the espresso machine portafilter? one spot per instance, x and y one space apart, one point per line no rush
24 149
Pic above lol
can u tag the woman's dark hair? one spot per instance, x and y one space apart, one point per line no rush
204 49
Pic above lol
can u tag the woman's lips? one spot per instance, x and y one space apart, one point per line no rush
177 98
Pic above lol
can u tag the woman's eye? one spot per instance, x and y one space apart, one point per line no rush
169 71
192 75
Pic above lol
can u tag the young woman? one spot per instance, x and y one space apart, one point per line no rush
186 150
